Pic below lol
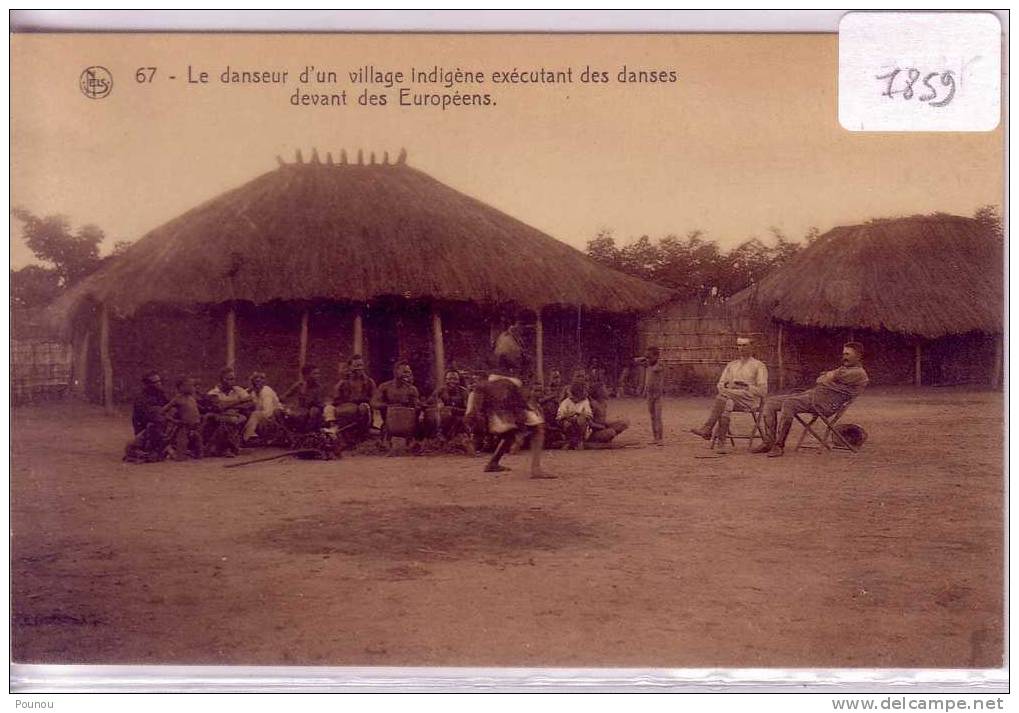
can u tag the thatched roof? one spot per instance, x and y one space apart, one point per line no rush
927 276
352 232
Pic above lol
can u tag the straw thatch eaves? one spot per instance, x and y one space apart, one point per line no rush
928 276
352 232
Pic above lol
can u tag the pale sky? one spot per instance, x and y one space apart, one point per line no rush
747 138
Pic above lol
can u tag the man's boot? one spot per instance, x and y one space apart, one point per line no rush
722 437
783 430
705 430
767 440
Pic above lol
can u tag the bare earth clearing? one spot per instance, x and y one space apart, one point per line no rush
635 557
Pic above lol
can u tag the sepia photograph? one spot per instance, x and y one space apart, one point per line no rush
501 350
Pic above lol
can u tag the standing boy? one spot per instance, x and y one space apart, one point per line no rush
186 438
654 387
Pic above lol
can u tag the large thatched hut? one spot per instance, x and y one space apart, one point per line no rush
319 259
924 294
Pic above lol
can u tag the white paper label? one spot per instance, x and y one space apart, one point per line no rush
919 71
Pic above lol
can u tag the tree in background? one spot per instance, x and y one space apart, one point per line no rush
34 286
695 266
69 256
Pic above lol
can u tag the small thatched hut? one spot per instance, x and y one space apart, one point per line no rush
317 260
924 294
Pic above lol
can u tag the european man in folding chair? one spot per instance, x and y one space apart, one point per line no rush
833 390
742 386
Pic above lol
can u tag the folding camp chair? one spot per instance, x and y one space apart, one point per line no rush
757 431
831 438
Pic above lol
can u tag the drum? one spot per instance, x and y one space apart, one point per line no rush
430 422
347 414
401 421
450 418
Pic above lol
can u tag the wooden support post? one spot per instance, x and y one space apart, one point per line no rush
79 385
539 350
358 333
231 337
917 376
104 357
302 353
580 347
438 348
999 359
781 363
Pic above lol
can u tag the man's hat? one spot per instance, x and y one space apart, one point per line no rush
852 433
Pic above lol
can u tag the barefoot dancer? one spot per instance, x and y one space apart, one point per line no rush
502 404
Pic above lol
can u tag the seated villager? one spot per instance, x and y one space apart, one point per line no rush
501 406
268 409
549 396
579 376
554 385
603 429
351 408
399 391
148 422
185 433
231 404
742 385
305 401
597 389
574 415
833 390
452 396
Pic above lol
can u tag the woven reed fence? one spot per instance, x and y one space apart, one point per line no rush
698 340
40 370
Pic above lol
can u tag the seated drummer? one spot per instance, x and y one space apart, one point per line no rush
305 415
351 404
451 393
453 396
398 391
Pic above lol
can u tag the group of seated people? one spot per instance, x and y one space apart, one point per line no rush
580 408
229 416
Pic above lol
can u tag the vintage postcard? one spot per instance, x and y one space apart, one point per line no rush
503 350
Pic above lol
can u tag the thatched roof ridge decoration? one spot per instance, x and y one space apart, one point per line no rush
353 233
926 276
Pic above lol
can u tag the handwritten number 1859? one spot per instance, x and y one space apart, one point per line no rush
912 76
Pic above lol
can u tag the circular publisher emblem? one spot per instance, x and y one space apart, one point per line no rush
96 82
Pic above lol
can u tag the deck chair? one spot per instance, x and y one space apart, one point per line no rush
831 438
756 430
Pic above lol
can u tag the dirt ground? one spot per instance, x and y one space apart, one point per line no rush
635 557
